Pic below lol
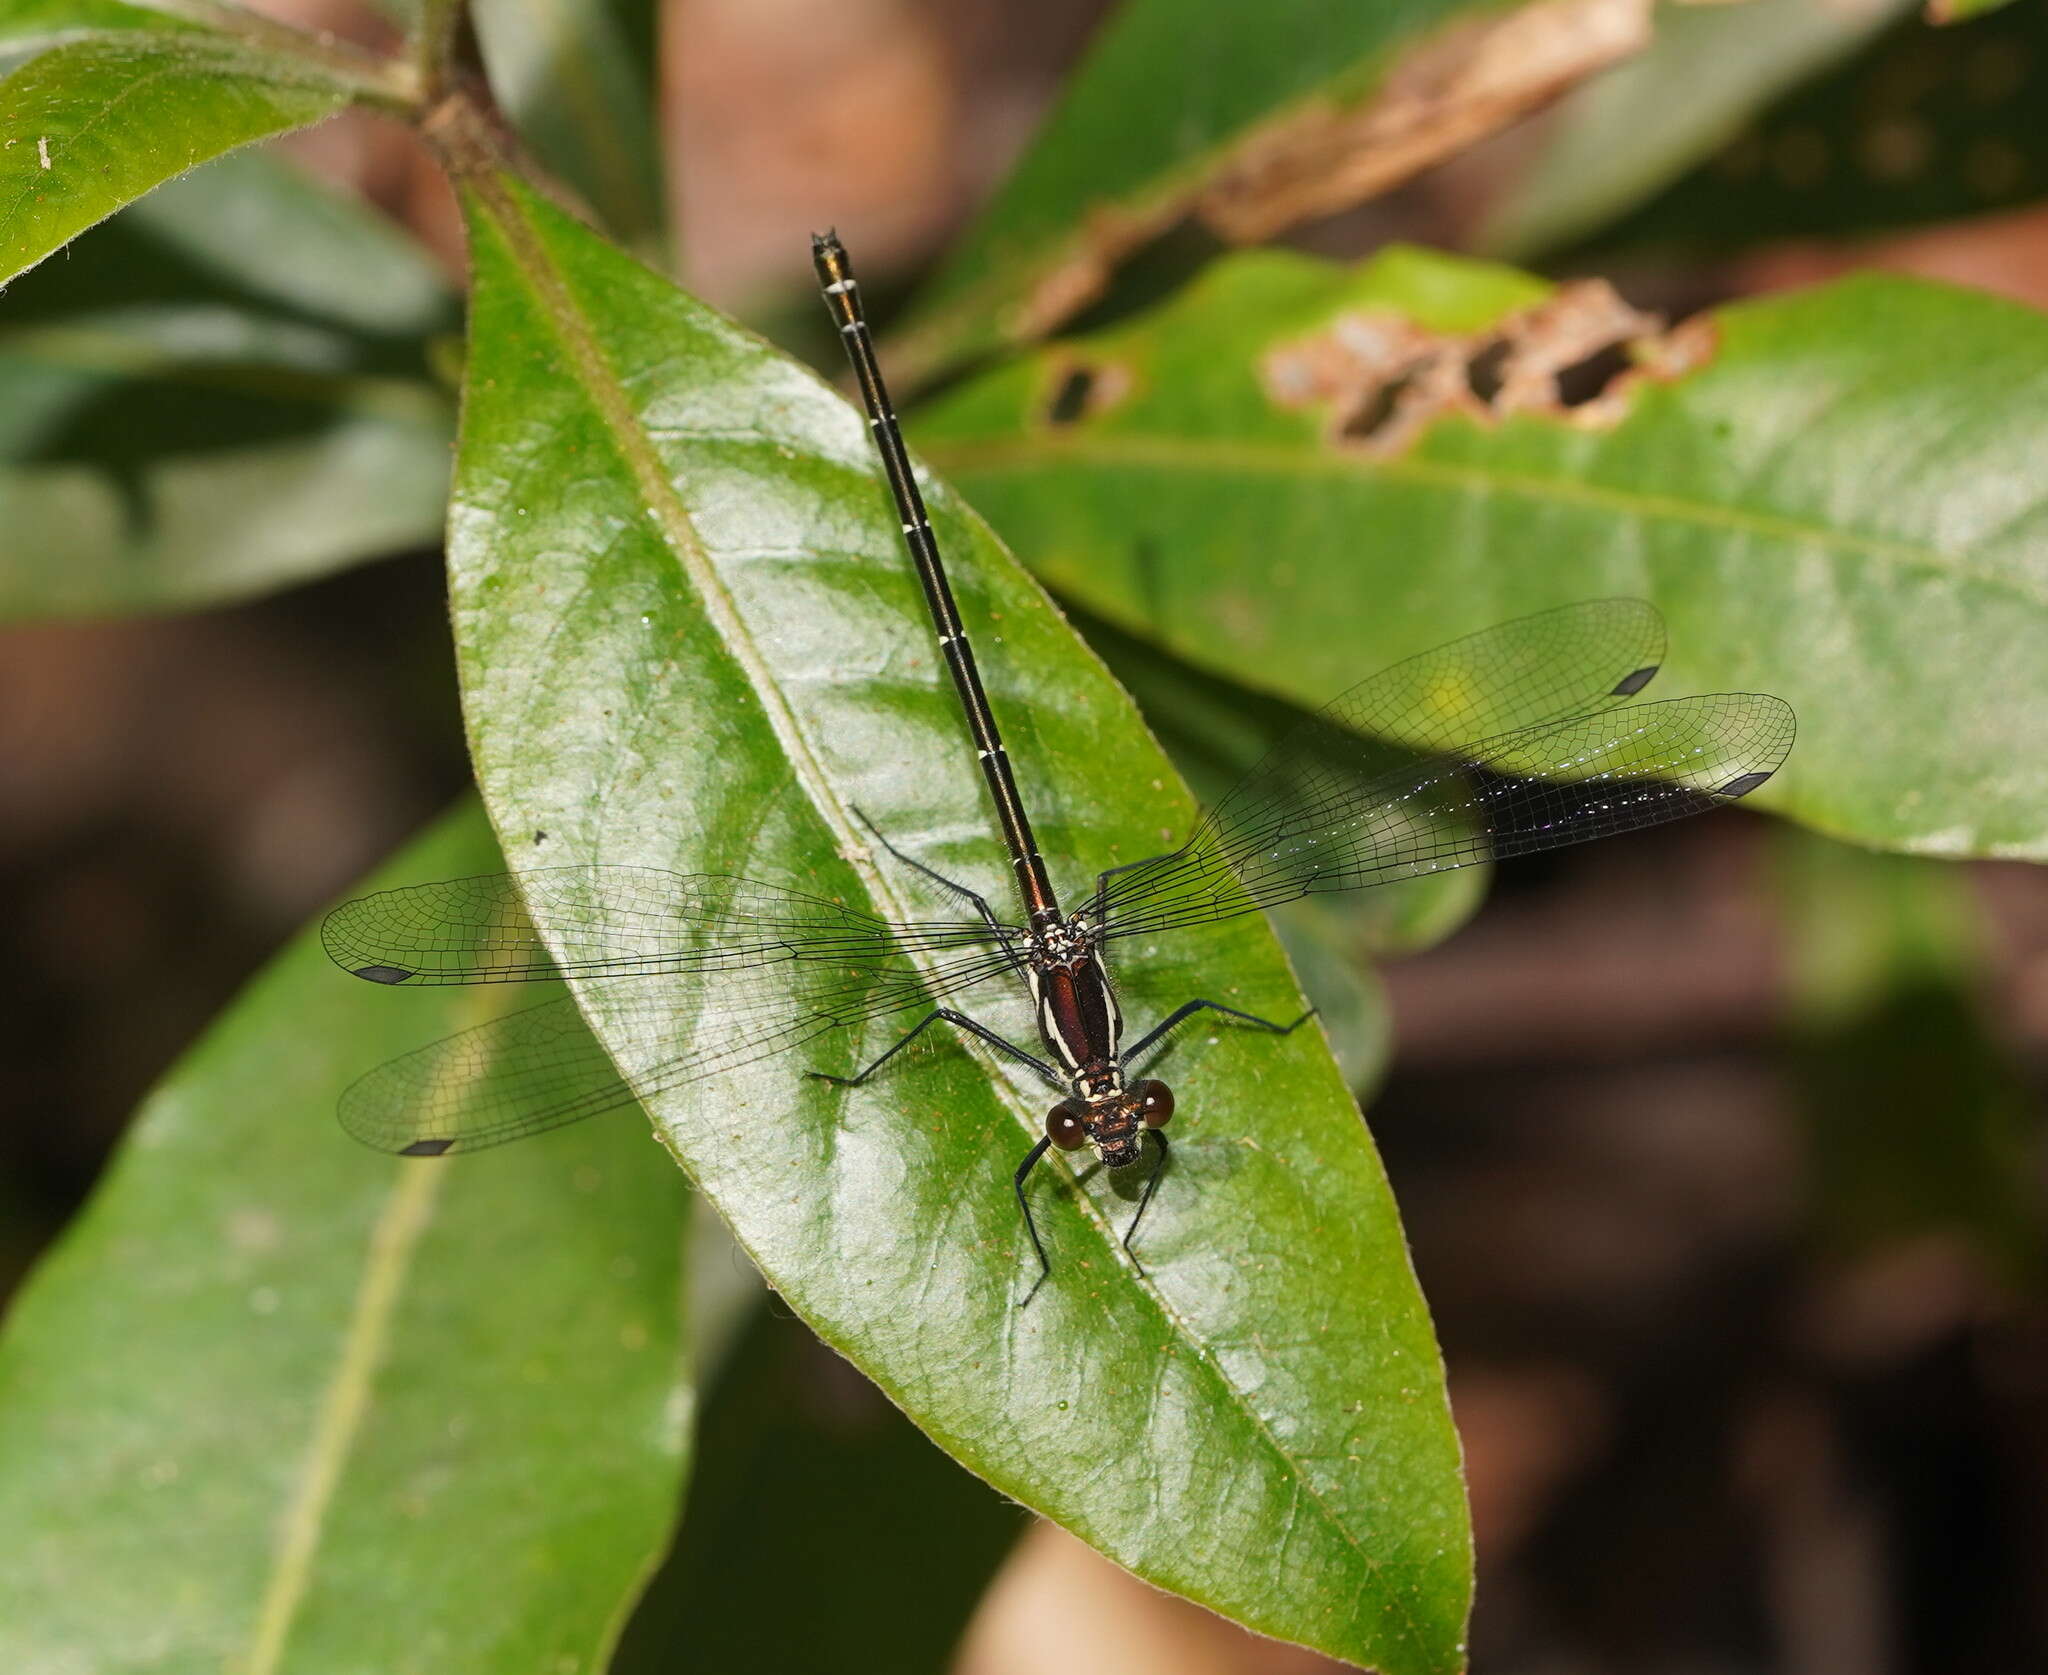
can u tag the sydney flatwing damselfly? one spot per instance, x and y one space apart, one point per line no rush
1515 739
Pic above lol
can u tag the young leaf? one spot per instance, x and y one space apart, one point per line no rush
278 1403
1286 476
224 390
93 124
1250 118
690 639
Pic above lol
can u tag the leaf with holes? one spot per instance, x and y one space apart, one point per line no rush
93 124
222 391
1290 475
1249 119
277 1402
690 639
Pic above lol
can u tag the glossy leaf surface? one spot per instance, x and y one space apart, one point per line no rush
95 123
279 1404
1831 499
690 639
222 391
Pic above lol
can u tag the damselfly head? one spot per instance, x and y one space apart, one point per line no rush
1114 1123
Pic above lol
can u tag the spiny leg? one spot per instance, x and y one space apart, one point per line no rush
959 1020
1145 1202
953 887
1147 1042
1030 1224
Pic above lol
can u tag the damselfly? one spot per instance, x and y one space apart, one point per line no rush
1512 740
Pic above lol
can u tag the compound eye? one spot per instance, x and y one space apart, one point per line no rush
1155 1102
1066 1124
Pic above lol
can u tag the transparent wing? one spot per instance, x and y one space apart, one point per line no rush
542 1068
608 922
1304 820
1518 674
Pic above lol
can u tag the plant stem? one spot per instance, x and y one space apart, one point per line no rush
433 46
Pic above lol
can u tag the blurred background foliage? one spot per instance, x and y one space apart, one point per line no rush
1721 1152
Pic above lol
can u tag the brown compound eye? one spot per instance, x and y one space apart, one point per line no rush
1066 1124
1155 1102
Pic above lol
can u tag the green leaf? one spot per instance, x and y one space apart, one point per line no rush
222 391
690 639
278 1403
95 123
801 1459
1620 138
1960 11
578 81
1250 118
1835 504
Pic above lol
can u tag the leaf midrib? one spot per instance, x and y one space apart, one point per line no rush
1275 459
407 1213
622 423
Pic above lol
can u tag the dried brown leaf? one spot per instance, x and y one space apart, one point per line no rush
1465 83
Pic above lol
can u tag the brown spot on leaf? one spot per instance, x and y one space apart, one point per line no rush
1577 356
1082 389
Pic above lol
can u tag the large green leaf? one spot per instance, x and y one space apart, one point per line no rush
1251 118
277 1403
1616 140
577 77
222 391
1837 504
95 123
689 639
